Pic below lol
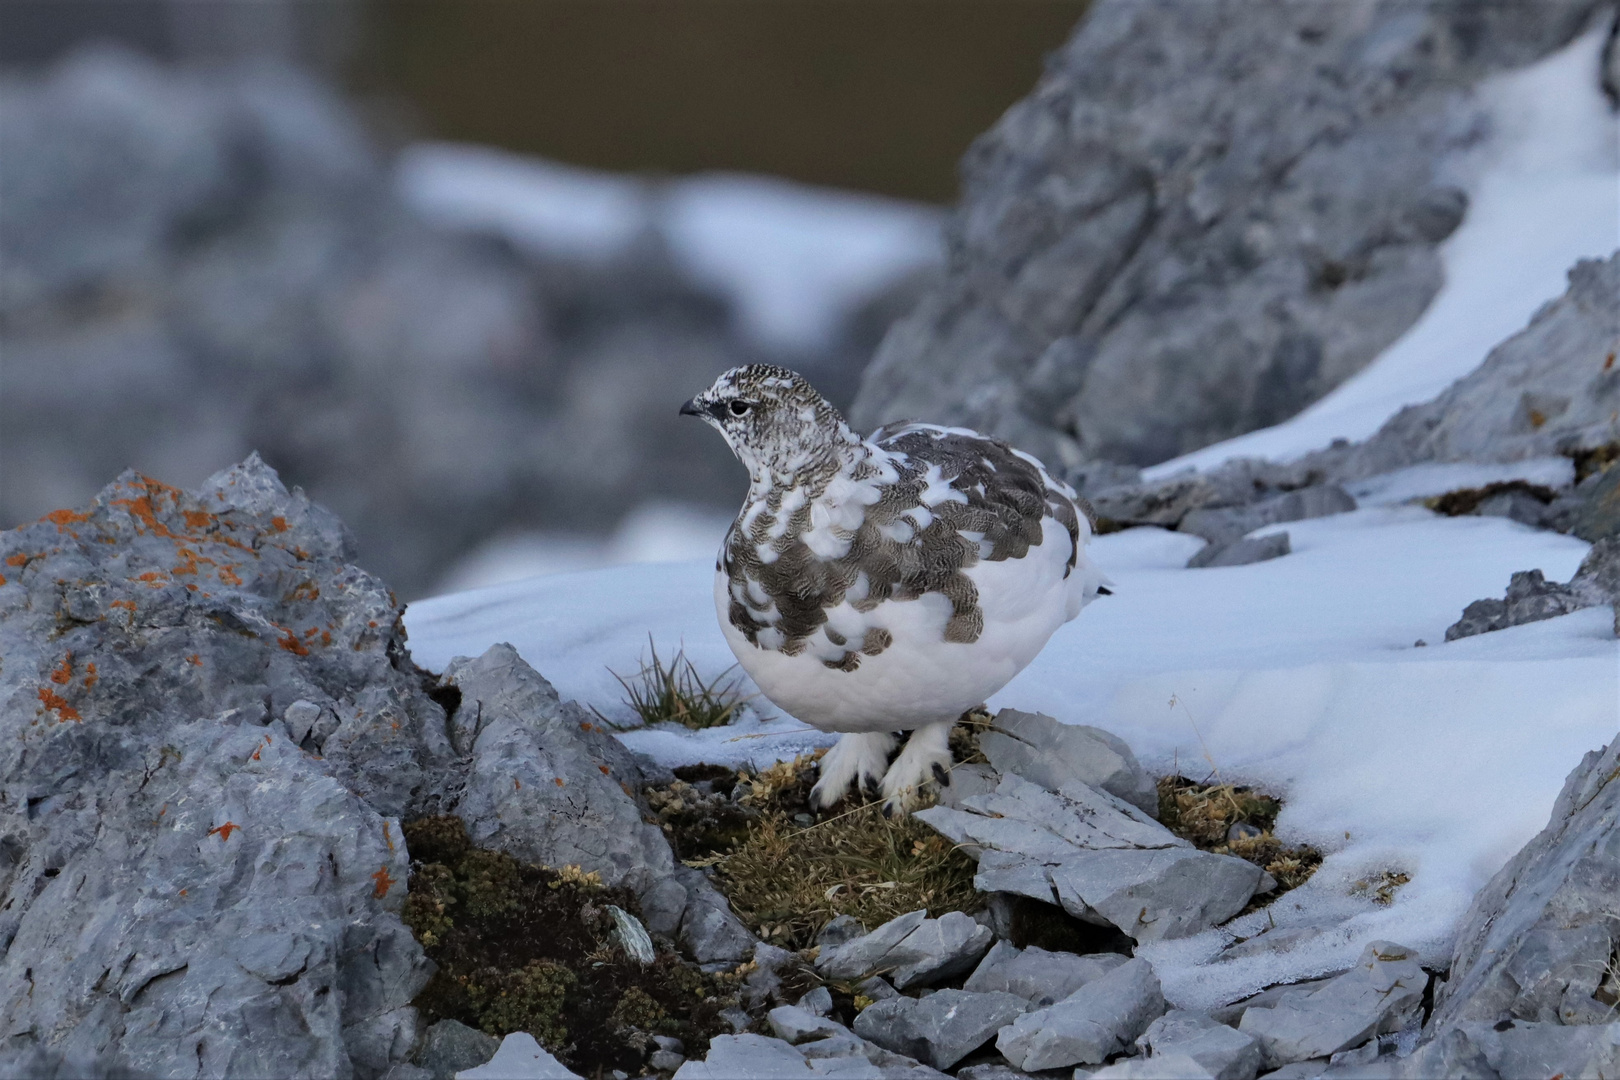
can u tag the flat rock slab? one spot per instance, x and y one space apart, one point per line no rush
1037 975
1224 1052
913 949
1050 753
1100 1019
942 1028
1379 994
1102 859
1243 552
1156 894
1159 1067
758 1057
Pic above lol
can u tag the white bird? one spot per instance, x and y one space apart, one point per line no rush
871 586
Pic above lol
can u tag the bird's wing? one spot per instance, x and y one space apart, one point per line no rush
986 490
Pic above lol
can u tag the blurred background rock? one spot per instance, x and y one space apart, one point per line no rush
341 234
451 265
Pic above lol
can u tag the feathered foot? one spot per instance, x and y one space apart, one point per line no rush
859 756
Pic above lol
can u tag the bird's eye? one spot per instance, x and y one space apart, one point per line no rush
739 408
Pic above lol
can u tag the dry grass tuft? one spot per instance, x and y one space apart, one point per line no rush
663 693
1380 888
1204 814
787 874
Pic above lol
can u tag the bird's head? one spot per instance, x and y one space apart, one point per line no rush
773 420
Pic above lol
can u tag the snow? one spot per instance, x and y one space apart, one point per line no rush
795 260
1543 191
1300 675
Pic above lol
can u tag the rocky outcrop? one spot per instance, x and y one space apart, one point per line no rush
1202 219
1553 388
1538 944
213 730
1532 598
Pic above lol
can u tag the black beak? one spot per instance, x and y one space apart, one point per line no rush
691 409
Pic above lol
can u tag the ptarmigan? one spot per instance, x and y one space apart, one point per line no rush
878 585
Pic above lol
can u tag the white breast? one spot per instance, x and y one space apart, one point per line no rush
921 678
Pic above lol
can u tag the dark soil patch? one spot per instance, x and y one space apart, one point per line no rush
1593 461
1204 814
1467 500
531 948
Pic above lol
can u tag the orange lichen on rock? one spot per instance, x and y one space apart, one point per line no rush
63 518
90 676
64 671
229 576
129 604
224 831
198 519
290 642
278 523
155 578
18 559
58 704
384 882
306 590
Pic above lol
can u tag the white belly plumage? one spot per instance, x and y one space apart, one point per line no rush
921 678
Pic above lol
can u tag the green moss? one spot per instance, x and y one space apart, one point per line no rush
530 948
529 999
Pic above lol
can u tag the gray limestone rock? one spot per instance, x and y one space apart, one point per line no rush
1100 1019
1047 752
1102 859
1142 265
940 1029
520 1057
1037 975
1379 994
912 949
1549 389
534 788
1156 894
1530 598
450 1046
1311 1069
1231 1014
1227 1054
840 929
1175 1066
1242 552
182 878
709 929
1228 524
1547 1049
1537 940
827 1050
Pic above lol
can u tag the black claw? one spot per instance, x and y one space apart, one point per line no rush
1103 590
888 811
942 775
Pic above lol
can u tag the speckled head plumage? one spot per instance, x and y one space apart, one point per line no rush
776 423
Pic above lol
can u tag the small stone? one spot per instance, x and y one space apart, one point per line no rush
1225 1053
842 929
666 1060
1242 830
1098 1020
670 1043
877 988
818 1002
1300 1070
1176 1066
1037 975
449 1047
915 949
941 1029
631 936
738 1019
520 1057
1242 552
1050 753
